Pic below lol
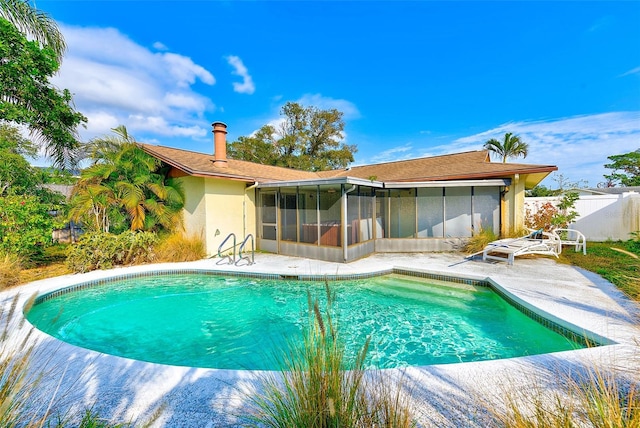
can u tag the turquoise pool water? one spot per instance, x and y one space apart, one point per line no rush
209 321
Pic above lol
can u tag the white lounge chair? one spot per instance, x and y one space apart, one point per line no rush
538 242
572 237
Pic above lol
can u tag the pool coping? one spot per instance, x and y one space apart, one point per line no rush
611 318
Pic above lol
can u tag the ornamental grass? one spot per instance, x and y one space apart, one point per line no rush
17 382
318 387
590 396
180 248
10 268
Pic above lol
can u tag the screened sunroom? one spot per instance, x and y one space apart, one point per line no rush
343 219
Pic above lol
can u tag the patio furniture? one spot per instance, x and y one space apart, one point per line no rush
572 237
537 242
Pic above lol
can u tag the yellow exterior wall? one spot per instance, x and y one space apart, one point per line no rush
214 208
230 208
513 207
194 212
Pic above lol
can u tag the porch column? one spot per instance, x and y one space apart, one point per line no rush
343 220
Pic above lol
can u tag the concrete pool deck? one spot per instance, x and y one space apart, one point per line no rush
455 395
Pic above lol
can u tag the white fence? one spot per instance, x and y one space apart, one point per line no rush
601 217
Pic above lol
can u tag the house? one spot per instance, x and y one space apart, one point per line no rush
425 204
606 190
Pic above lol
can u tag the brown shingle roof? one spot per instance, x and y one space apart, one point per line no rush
201 165
459 166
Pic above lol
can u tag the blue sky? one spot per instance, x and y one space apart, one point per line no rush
412 78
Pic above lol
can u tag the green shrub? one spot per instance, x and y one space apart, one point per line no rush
105 250
25 225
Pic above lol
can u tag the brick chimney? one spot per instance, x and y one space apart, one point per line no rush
219 144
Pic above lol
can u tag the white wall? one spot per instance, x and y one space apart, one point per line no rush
601 217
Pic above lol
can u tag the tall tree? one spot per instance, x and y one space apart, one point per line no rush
510 146
259 147
28 98
16 175
34 23
308 138
125 188
626 169
25 205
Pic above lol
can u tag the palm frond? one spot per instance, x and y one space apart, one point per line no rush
511 146
35 23
140 190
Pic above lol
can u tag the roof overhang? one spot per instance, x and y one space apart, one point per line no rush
533 179
322 182
386 185
449 183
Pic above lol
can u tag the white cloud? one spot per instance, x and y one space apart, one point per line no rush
185 101
317 100
277 123
630 72
602 23
394 154
100 123
247 86
160 46
578 145
185 71
108 86
116 81
160 126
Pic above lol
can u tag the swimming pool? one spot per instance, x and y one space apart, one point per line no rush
214 321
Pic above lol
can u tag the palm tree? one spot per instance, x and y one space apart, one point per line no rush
34 23
512 146
92 203
131 184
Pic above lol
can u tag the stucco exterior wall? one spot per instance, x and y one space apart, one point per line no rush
215 208
513 206
194 211
230 208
